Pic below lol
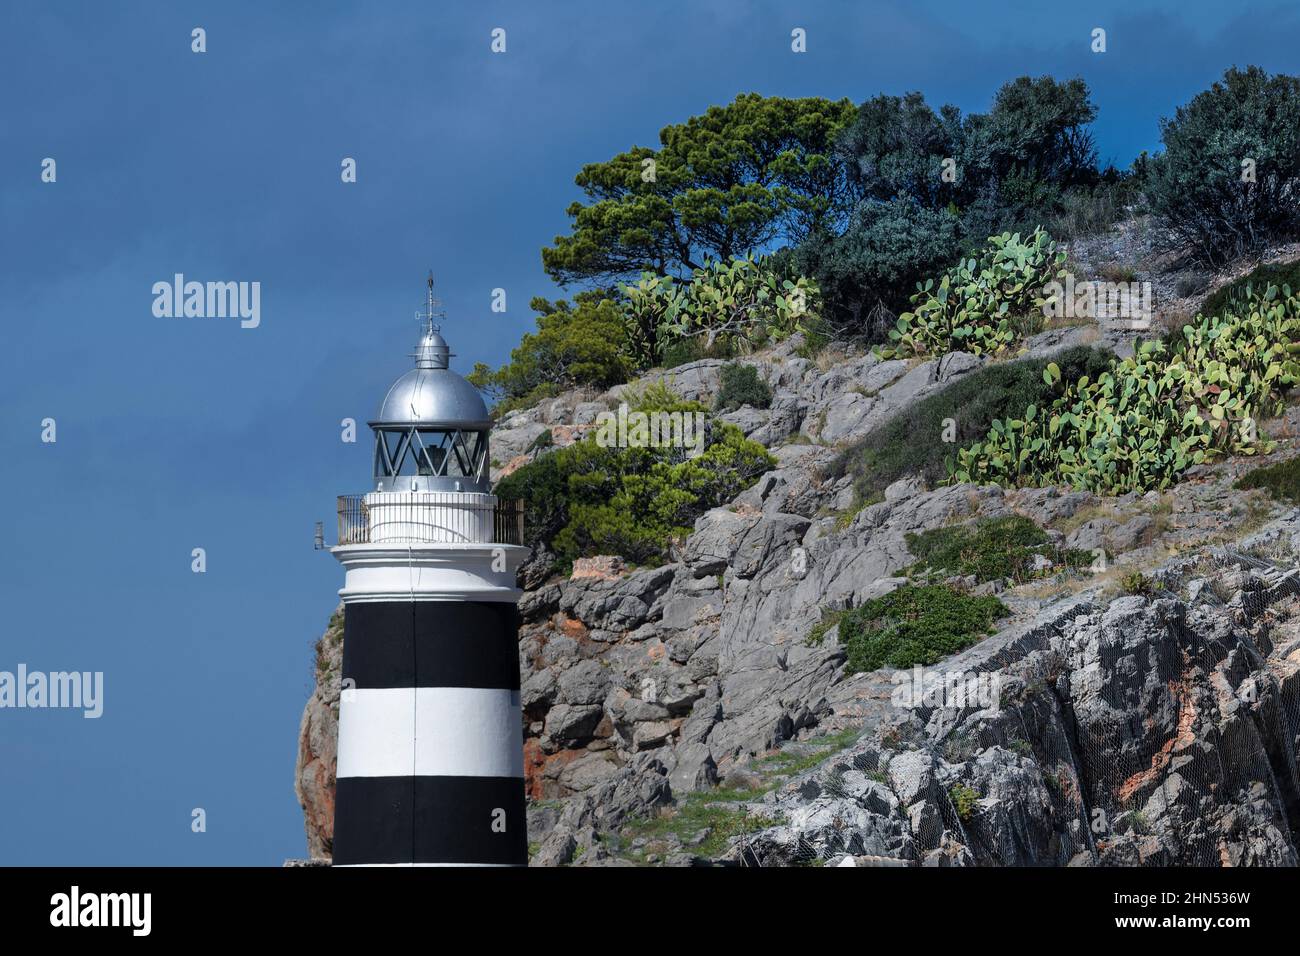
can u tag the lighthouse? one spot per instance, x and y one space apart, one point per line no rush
430 749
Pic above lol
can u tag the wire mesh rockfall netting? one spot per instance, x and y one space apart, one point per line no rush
1162 731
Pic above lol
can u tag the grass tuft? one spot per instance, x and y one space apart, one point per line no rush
991 549
1281 480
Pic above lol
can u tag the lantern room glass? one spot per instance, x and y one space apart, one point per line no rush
430 452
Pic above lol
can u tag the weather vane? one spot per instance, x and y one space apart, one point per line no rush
432 310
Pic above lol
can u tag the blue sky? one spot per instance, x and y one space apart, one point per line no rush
182 433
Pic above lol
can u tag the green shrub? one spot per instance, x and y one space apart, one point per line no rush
915 624
585 499
887 248
991 549
740 385
981 305
911 442
1135 582
1035 141
579 344
1139 426
895 147
964 801
1281 480
1196 187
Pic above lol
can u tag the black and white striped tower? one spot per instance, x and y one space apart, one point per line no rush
430 752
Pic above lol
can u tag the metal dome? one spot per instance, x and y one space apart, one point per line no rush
433 397
433 351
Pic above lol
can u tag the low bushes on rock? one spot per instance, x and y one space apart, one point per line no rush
915 624
587 499
1281 480
1135 582
740 385
964 801
576 344
683 351
604 336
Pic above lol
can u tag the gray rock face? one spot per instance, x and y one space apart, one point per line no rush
619 604
1127 733
851 399
845 813
1058 340
1110 534
586 682
830 406
566 724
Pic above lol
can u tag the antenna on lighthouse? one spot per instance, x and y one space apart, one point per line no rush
432 310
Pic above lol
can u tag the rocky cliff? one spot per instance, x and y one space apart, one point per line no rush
1139 731
680 714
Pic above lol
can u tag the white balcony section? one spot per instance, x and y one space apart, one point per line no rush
428 517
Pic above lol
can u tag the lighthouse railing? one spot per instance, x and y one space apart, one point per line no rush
429 517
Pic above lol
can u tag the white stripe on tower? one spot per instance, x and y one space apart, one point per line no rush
458 732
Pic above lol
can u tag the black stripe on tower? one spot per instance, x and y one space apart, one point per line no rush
431 644
430 819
